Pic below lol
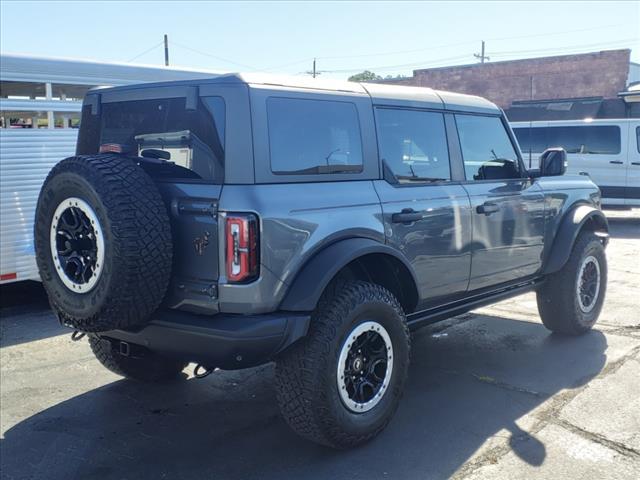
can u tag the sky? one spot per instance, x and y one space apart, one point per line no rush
388 38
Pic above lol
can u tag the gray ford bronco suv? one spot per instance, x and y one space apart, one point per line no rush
241 219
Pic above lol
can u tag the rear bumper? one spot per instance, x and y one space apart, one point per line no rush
224 341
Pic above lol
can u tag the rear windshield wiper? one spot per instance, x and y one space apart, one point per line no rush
318 169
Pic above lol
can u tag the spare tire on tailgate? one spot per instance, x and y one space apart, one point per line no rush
103 242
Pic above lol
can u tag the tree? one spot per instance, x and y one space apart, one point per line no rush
365 76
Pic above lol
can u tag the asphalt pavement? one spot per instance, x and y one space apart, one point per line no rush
491 394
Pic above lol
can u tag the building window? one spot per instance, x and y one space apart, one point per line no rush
313 136
413 145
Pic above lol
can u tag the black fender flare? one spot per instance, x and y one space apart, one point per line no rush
311 280
571 225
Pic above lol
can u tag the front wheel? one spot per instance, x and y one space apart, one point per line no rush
571 299
341 385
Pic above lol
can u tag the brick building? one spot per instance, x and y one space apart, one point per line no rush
562 87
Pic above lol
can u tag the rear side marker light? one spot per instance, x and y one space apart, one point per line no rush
242 262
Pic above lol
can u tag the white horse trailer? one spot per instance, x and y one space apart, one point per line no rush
40 103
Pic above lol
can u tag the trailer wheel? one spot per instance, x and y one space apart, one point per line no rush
103 243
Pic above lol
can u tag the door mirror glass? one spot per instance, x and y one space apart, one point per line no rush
553 162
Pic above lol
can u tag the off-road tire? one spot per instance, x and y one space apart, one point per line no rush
557 298
148 368
306 386
137 242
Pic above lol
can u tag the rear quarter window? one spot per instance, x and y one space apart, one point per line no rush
313 136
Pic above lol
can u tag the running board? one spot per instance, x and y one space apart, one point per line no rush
427 317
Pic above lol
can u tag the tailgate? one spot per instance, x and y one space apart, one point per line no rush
193 211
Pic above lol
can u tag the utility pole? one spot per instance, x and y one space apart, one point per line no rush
482 56
166 50
313 72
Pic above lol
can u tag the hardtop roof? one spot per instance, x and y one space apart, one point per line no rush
380 93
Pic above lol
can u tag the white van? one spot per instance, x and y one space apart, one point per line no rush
607 149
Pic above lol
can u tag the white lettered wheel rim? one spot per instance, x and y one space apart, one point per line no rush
91 234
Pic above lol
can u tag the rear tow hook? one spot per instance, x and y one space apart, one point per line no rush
201 371
77 335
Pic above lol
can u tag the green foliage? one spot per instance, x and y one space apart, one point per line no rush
365 76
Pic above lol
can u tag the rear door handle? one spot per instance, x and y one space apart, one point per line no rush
487 208
635 163
407 215
616 162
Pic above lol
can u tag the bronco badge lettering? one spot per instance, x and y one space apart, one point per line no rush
201 243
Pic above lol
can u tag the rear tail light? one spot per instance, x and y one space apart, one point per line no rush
242 247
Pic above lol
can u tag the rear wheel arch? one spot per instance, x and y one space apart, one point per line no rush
350 260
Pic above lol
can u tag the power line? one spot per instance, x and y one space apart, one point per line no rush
145 52
404 65
569 47
418 63
213 56
398 52
563 32
461 57
298 62
437 47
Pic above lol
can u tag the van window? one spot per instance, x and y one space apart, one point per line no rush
313 136
584 139
413 144
487 150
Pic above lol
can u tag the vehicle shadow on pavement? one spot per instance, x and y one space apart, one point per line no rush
467 383
25 313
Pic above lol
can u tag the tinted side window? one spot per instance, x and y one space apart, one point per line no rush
487 150
587 139
638 138
413 144
313 136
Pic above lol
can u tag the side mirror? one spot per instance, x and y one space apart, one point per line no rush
553 162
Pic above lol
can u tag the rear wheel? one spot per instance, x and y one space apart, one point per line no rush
147 368
341 385
571 299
